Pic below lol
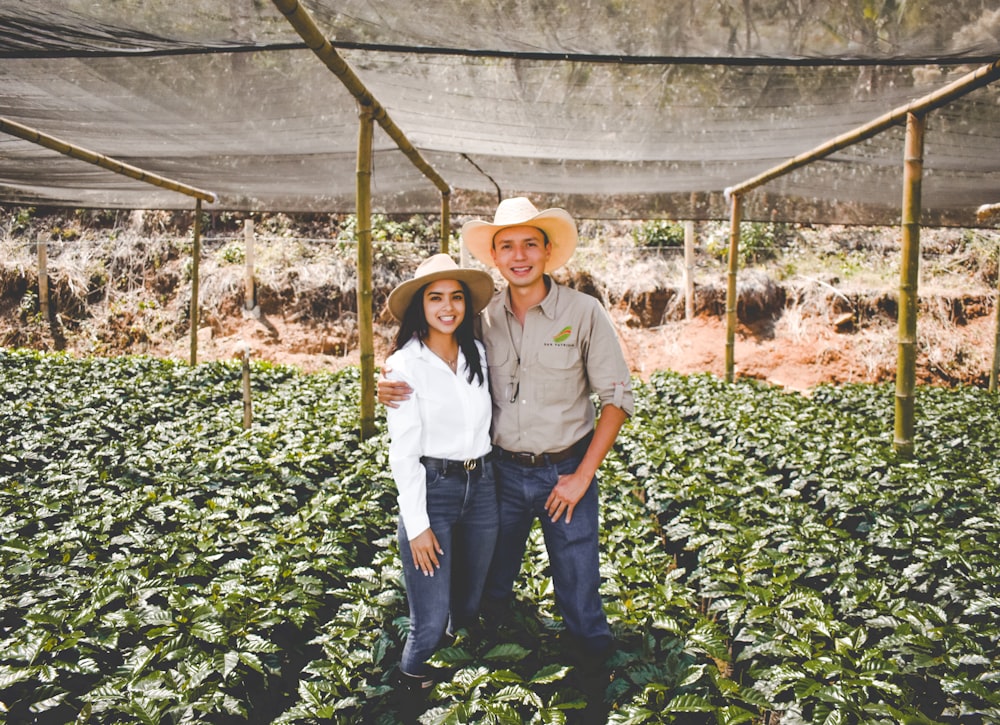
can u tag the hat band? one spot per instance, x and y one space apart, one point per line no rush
493 239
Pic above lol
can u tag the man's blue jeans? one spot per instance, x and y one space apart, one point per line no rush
462 507
572 548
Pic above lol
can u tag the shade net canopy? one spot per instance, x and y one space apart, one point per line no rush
612 109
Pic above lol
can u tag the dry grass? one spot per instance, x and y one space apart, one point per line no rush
792 324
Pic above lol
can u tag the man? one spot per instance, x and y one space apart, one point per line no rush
548 348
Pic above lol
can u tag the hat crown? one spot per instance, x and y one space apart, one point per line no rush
433 264
516 210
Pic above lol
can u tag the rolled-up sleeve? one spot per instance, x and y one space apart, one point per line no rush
608 373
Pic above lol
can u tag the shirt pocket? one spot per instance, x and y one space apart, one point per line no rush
560 374
502 366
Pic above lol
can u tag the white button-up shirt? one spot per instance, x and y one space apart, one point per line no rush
445 417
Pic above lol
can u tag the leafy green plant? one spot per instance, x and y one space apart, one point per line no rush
233 253
28 305
765 556
659 233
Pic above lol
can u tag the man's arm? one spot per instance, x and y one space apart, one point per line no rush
571 487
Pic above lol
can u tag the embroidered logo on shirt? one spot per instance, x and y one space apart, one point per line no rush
563 334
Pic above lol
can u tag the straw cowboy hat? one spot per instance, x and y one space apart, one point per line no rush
517 211
441 266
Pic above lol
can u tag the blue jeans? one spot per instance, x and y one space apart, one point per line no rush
572 547
462 507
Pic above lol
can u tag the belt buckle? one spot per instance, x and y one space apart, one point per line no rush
525 459
470 464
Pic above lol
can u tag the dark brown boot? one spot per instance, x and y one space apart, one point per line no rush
411 693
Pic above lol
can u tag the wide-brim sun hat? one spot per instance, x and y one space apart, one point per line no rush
518 211
441 266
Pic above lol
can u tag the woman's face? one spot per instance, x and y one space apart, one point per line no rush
444 305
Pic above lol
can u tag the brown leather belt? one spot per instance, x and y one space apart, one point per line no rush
537 460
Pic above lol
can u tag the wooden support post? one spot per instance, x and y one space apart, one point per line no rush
735 216
91 157
996 342
906 367
247 402
248 244
688 270
445 223
195 264
365 298
43 278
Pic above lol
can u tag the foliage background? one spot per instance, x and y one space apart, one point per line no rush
765 557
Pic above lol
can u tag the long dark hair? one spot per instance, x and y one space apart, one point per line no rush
414 324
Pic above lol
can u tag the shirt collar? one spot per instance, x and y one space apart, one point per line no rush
548 304
421 351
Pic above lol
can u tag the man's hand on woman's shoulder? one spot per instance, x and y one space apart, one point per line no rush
392 392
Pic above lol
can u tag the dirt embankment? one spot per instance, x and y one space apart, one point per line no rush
798 332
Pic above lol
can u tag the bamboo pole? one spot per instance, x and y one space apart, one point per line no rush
248 258
365 321
995 370
985 214
688 269
913 166
247 401
303 23
966 84
735 216
371 111
195 264
119 167
445 222
43 278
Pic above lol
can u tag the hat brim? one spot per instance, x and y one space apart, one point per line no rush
480 288
558 225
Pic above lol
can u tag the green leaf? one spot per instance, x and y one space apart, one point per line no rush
209 631
145 710
689 703
550 673
451 657
230 660
692 675
732 714
47 702
509 652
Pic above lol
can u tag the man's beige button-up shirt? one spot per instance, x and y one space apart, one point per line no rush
542 375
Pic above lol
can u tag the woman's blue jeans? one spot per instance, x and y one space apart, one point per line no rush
572 548
462 507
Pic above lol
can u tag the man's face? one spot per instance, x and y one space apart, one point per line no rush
520 254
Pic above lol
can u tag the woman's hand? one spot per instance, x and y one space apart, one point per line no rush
425 550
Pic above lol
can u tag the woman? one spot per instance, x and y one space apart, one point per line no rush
439 452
